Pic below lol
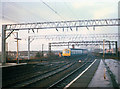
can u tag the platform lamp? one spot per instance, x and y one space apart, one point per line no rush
17 47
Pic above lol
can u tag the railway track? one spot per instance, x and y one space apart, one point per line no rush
33 79
40 77
46 81
32 74
69 77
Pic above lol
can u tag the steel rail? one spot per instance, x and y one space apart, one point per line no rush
37 78
62 79
37 73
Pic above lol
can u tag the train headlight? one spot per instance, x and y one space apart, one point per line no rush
79 61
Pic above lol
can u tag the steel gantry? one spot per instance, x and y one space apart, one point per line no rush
79 43
64 24
70 37
56 25
110 36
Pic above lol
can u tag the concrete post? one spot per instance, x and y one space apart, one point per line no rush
28 47
68 45
49 48
103 48
42 49
109 46
116 48
3 59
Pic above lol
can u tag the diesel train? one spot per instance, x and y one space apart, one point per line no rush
73 52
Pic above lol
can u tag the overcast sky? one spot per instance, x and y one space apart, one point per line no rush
24 11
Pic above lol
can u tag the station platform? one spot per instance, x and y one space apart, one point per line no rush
101 77
84 79
97 75
11 64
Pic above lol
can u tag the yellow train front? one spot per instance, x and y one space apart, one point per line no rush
66 52
74 52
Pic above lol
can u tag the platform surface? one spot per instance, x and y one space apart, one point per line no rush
98 79
11 64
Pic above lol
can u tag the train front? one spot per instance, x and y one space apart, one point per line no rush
66 53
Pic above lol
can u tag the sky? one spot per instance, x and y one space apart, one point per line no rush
23 11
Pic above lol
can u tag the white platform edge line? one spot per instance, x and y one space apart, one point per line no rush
79 75
13 65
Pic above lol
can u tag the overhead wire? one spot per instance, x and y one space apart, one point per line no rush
72 13
52 10
29 11
22 9
17 6
75 15
4 16
55 13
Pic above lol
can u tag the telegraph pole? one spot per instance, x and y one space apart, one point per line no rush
17 56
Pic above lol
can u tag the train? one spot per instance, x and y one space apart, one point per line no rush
73 52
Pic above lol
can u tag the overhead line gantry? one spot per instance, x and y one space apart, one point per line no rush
50 25
80 43
77 36
63 24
